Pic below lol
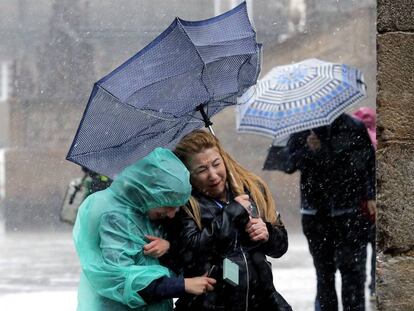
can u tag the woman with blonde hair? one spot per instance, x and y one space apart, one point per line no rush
228 227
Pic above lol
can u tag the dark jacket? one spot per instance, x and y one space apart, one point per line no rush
337 177
223 236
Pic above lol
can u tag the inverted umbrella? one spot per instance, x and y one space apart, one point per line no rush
298 97
174 85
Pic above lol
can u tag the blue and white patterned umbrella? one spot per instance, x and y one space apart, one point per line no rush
298 97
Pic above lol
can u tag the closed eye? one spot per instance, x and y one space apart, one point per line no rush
216 163
201 170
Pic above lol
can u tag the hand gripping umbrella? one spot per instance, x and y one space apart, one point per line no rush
188 73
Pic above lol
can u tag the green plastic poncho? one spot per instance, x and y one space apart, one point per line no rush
110 230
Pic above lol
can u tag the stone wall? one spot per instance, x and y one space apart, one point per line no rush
395 80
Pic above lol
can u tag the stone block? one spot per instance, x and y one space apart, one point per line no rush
396 111
395 15
395 284
395 186
395 86
395 61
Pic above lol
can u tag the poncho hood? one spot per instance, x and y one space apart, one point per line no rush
159 179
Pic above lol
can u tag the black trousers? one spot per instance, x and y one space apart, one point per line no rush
338 243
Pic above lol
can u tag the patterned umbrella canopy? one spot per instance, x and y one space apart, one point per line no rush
175 84
298 97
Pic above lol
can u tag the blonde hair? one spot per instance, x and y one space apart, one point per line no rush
238 177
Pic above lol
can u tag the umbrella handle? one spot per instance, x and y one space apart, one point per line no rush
210 128
206 119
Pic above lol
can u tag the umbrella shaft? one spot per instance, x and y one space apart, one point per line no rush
210 128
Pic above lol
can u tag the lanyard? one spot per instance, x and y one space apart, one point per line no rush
219 204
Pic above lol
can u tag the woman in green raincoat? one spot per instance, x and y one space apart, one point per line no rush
119 244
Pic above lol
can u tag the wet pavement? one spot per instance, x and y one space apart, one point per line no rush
39 271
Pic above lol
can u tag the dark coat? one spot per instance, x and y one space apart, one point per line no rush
223 236
336 178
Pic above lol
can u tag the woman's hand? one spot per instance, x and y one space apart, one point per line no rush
313 142
157 247
372 208
257 230
244 201
199 285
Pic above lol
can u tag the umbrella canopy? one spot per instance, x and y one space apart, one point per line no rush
192 69
298 97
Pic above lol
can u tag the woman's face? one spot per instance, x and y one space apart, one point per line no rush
208 173
162 212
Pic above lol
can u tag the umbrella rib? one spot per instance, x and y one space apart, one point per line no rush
166 119
199 55
117 146
139 109
156 82
226 102
194 117
146 111
203 65
132 137
254 94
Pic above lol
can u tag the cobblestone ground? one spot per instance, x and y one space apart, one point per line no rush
39 271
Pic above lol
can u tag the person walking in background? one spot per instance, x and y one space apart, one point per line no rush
228 227
94 182
369 117
78 190
337 173
119 243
